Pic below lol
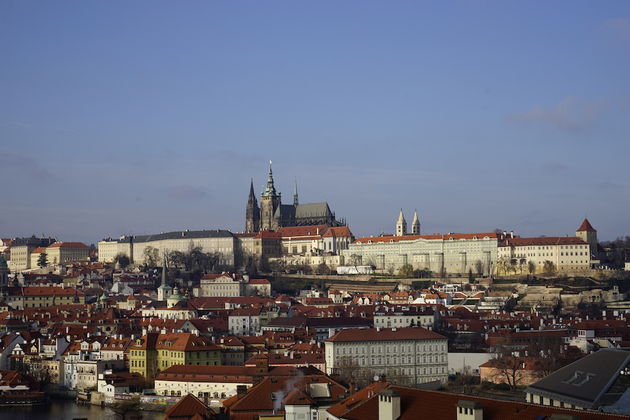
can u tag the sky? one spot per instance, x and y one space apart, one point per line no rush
139 117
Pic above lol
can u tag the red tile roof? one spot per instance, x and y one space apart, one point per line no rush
586 227
416 403
444 237
68 245
47 291
385 334
543 240
188 407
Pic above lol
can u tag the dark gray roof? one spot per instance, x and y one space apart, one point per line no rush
190 234
586 381
32 241
313 210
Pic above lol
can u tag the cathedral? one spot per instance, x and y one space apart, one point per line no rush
272 214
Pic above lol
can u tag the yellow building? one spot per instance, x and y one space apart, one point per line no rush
156 352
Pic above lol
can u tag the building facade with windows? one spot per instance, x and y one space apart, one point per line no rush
452 252
410 355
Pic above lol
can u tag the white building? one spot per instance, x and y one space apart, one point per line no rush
244 321
453 252
408 355
399 316
219 242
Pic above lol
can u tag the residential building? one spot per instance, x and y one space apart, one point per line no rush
154 352
411 355
399 316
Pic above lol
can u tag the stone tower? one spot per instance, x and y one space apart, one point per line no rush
252 212
415 225
401 225
269 202
588 234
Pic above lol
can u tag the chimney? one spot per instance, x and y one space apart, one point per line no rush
469 410
241 390
388 405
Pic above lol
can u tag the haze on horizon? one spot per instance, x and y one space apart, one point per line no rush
130 118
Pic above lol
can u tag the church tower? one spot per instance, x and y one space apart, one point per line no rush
401 225
415 225
164 291
269 203
588 234
252 212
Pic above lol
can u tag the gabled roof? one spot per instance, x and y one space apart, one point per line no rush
586 227
188 407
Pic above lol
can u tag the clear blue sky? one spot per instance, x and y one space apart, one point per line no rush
121 117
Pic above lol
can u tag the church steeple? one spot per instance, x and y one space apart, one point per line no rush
415 225
295 195
164 290
270 203
270 189
401 225
252 212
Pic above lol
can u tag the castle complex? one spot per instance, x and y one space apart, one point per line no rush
272 214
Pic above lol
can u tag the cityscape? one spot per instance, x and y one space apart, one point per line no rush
440 252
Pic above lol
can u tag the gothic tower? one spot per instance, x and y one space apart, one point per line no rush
401 225
295 196
252 212
269 203
415 225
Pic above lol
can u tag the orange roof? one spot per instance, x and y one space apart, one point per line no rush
385 334
337 231
586 227
444 237
39 250
543 240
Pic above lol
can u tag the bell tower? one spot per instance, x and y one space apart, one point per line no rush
401 225
269 203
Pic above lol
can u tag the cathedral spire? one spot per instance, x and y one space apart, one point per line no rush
251 189
270 190
295 195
